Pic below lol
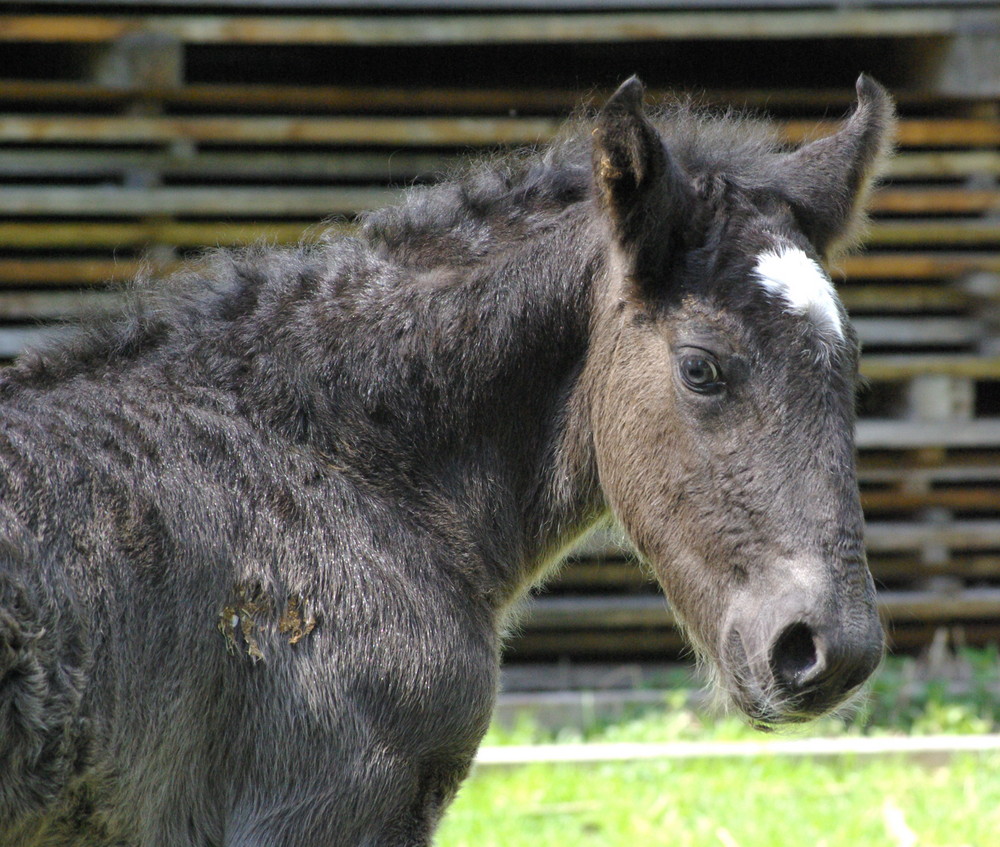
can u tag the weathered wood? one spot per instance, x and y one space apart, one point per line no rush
67 271
913 132
400 166
422 131
623 612
880 536
970 465
131 129
448 99
918 331
902 298
14 340
268 201
226 201
406 164
941 201
908 366
898 536
431 29
971 233
897 435
628 577
50 305
85 235
948 164
982 499
920 265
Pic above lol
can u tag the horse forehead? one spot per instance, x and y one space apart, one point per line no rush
803 287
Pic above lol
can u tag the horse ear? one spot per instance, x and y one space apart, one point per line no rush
828 181
638 184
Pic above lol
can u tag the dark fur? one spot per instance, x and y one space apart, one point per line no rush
262 530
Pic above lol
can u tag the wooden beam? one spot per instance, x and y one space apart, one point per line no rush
950 265
23 272
926 233
417 131
930 201
433 29
873 434
84 235
623 612
222 201
900 367
902 298
433 132
425 99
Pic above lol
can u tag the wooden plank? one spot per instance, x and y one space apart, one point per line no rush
912 201
655 643
918 331
901 298
448 99
622 612
907 569
969 466
903 367
625 576
404 165
914 266
329 99
948 165
415 131
430 29
981 499
67 271
400 166
899 536
420 132
14 340
880 536
53 305
303 201
964 233
622 575
83 235
912 132
875 434
224 201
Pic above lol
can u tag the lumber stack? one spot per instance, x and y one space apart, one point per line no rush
134 133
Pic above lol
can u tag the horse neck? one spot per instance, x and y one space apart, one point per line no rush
480 406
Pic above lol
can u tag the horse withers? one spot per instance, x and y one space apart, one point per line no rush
261 531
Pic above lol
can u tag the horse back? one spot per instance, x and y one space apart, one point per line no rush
186 600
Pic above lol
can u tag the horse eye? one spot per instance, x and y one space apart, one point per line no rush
700 373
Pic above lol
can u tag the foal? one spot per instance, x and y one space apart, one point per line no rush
261 531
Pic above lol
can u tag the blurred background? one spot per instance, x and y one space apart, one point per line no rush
133 133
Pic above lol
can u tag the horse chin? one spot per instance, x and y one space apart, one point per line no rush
767 708
756 695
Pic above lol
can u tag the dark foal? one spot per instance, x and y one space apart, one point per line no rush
262 530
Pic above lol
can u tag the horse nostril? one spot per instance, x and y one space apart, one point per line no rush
795 660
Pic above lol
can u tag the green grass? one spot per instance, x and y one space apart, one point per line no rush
767 802
763 802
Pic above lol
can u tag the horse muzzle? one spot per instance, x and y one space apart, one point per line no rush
801 665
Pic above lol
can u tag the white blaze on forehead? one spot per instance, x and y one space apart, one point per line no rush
804 286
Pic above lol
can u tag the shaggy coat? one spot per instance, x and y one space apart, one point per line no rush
261 531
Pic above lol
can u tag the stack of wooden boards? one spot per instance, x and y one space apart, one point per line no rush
131 134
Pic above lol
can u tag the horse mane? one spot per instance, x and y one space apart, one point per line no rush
453 224
462 217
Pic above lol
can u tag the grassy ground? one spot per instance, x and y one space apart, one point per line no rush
765 802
